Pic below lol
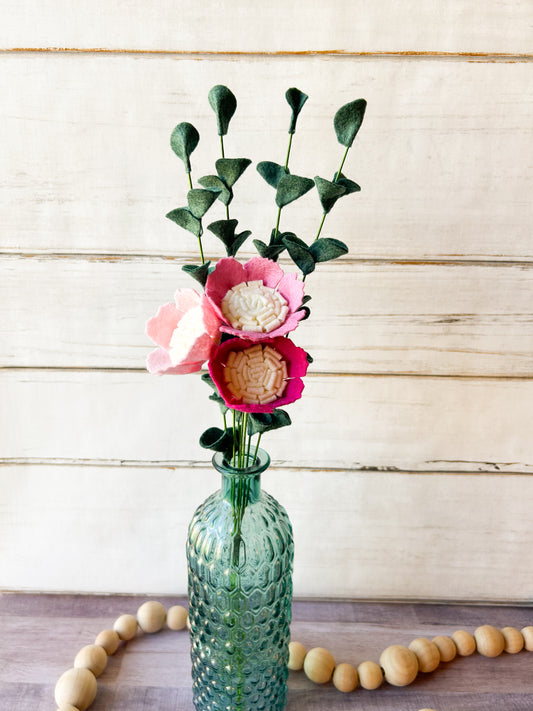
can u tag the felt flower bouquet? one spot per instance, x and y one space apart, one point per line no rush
239 324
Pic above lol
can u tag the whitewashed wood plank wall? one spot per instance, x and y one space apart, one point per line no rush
408 471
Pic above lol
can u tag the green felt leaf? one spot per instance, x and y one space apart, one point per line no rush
350 186
309 358
268 251
307 312
216 439
183 217
265 421
306 299
348 120
225 231
271 172
200 201
292 187
183 141
231 169
296 99
206 378
198 272
213 182
328 192
326 248
215 397
300 254
224 104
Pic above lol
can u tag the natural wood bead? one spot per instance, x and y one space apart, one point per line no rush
319 665
446 647
527 634
297 654
370 675
92 657
67 707
427 653
151 616
345 677
464 643
109 640
489 641
126 627
427 709
514 642
399 664
76 687
177 617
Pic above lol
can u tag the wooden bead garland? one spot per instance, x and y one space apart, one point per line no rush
76 689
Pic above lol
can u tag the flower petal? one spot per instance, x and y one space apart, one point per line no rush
161 326
159 363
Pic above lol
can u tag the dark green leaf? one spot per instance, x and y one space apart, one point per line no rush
264 422
308 358
307 312
216 439
271 172
269 251
305 299
231 169
225 231
200 201
300 254
296 99
292 187
206 378
220 402
350 186
328 192
327 248
224 104
348 120
213 182
183 217
198 272
183 141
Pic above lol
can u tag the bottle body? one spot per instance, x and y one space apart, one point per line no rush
240 554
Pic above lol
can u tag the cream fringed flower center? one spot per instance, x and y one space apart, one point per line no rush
189 329
252 306
256 375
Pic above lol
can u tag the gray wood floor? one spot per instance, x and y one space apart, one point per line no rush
41 634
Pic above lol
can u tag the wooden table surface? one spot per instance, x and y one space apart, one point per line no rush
41 634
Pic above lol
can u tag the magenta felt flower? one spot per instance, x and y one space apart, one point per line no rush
256 300
258 377
187 332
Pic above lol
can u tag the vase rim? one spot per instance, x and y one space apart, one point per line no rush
262 462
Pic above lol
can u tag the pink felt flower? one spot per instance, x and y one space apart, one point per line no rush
256 300
187 332
258 376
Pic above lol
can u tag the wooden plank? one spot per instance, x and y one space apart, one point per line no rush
443 156
437 319
340 25
357 534
372 423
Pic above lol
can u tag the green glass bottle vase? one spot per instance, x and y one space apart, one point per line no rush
240 552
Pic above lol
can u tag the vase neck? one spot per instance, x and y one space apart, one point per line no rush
242 485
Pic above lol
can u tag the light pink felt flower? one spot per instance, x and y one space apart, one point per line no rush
258 377
240 296
187 332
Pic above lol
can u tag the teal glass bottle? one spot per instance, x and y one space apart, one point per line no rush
240 553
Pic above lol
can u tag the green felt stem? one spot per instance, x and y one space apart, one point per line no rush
288 153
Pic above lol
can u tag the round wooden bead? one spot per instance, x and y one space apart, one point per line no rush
151 616
319 665
464 643
427 709
489 641
177 617
109 640
92 657
370 675
427 654
76 687
345 677
67 707
446 647
297 654
527 634
514 642
399 664
126 627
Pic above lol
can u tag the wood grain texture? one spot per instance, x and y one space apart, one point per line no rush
364 535
443 157
153 671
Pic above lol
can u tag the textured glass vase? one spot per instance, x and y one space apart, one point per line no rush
240 553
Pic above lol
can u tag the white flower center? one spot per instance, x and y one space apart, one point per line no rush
188 330
256 375
251 306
